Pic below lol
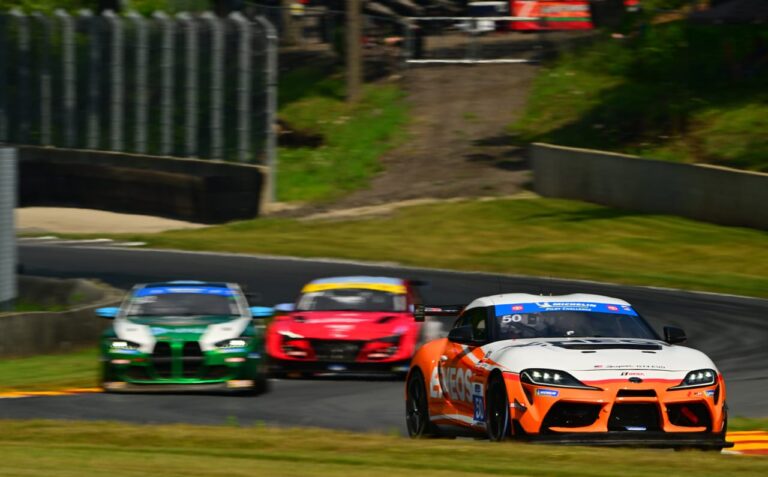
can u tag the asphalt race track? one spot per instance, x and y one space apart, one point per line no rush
731 330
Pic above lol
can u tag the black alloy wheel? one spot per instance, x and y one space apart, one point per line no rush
497 410
417 408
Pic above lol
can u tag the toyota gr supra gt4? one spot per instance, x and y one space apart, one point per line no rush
583 369
183 336
352 325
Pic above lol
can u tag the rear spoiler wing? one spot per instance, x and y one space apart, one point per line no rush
420 312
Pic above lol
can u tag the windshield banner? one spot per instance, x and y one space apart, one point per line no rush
189 290
543 307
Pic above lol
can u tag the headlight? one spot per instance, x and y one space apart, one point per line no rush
290 335
551 377
394 339
233 343
123 344
698 378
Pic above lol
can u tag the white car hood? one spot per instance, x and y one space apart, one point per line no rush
599 358
144 335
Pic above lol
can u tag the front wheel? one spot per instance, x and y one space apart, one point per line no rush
497 410
417 407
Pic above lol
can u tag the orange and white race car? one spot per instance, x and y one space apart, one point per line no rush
581 369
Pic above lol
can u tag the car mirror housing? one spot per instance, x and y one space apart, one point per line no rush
461 335
109 312
261 311
285 307
673 335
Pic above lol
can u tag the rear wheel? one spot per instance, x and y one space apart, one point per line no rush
497 410
417 407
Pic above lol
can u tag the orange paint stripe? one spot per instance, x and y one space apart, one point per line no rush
57 392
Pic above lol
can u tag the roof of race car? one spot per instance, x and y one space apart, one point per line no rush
389 284
523 298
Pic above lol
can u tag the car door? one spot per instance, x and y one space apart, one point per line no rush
458 370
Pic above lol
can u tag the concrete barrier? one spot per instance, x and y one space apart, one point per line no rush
7 228
195 190
709 193
34 333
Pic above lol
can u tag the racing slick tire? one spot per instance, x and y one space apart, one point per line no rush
417 408
497 410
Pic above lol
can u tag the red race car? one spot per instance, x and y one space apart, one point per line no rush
346 325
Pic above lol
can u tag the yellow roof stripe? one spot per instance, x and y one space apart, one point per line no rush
385 287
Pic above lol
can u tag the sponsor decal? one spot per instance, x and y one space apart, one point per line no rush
710 393
547 306
478 403
547 392
158 330
125 351
336 367
632 373
232 350
636 428
254 356
457 383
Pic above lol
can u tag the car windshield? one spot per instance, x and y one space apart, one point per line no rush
572 324
182 304
352 299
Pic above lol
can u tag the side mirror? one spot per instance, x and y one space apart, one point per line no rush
261 311
673 335
285 307
461 335
109 312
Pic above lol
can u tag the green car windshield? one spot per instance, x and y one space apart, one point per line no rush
191 306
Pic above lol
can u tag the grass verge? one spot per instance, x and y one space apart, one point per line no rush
673 91
354 136
543 237
55 449
78 369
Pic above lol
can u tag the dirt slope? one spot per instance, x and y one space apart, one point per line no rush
457 144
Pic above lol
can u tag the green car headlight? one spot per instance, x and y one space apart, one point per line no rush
233 343
123 344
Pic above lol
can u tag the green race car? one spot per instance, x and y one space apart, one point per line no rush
184 336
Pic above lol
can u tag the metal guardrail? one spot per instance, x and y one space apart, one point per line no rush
469 40
183 85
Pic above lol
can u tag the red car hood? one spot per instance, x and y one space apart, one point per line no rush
345 325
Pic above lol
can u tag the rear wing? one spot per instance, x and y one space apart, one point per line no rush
420 312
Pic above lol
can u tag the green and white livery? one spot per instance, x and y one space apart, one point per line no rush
184 336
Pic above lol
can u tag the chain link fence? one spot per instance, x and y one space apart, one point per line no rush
178 85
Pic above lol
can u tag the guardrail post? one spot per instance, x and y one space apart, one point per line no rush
22 75
217 85
141 51
4 49
69 77
191 56
8 289
271 105
167 76
44 42
93 127
116 80
244 76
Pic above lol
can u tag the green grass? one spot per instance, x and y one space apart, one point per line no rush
543 237
672 91
354 135
50 372
59 449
